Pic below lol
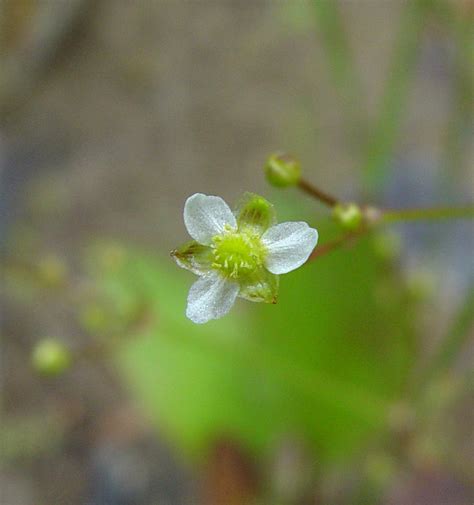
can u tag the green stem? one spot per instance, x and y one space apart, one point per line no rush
387 127
457 137
377 217
339 57
434 213
334 244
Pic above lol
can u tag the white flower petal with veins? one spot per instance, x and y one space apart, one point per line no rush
232 258
289 246
205 216
210 297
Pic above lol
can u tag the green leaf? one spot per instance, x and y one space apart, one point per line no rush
324 364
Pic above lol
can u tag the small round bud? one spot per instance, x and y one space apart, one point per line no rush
282 170
348 215
51 357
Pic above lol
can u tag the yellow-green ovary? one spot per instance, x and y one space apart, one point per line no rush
237 253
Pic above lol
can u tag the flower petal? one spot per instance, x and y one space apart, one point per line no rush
289 246
210 297
205 216
194 256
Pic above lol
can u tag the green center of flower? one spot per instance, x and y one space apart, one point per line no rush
237 253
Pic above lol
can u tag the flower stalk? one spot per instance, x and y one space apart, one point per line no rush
371 217
429 213
317 193
328 247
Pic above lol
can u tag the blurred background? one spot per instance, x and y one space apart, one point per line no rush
357 387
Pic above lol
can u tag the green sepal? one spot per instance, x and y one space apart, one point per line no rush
255 212
261 286
193 256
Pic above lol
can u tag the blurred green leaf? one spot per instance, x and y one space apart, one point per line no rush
324 363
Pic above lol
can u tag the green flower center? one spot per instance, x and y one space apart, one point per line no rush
237 253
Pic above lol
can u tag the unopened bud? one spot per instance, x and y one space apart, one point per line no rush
282 170
348 215
51 357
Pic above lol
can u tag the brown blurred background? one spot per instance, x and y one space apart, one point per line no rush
112 113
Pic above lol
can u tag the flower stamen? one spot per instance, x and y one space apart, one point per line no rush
237 253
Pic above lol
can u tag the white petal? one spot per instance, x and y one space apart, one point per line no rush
210 297
205 217
289 246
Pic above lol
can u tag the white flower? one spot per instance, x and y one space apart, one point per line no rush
238 254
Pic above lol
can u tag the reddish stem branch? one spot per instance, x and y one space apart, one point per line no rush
315 192
373 216
336 243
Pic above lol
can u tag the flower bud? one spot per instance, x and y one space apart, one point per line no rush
282 170
348 215
51 357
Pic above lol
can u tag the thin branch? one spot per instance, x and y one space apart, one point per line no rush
435 213
340 59
317 193
394 99
376 217
335 244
